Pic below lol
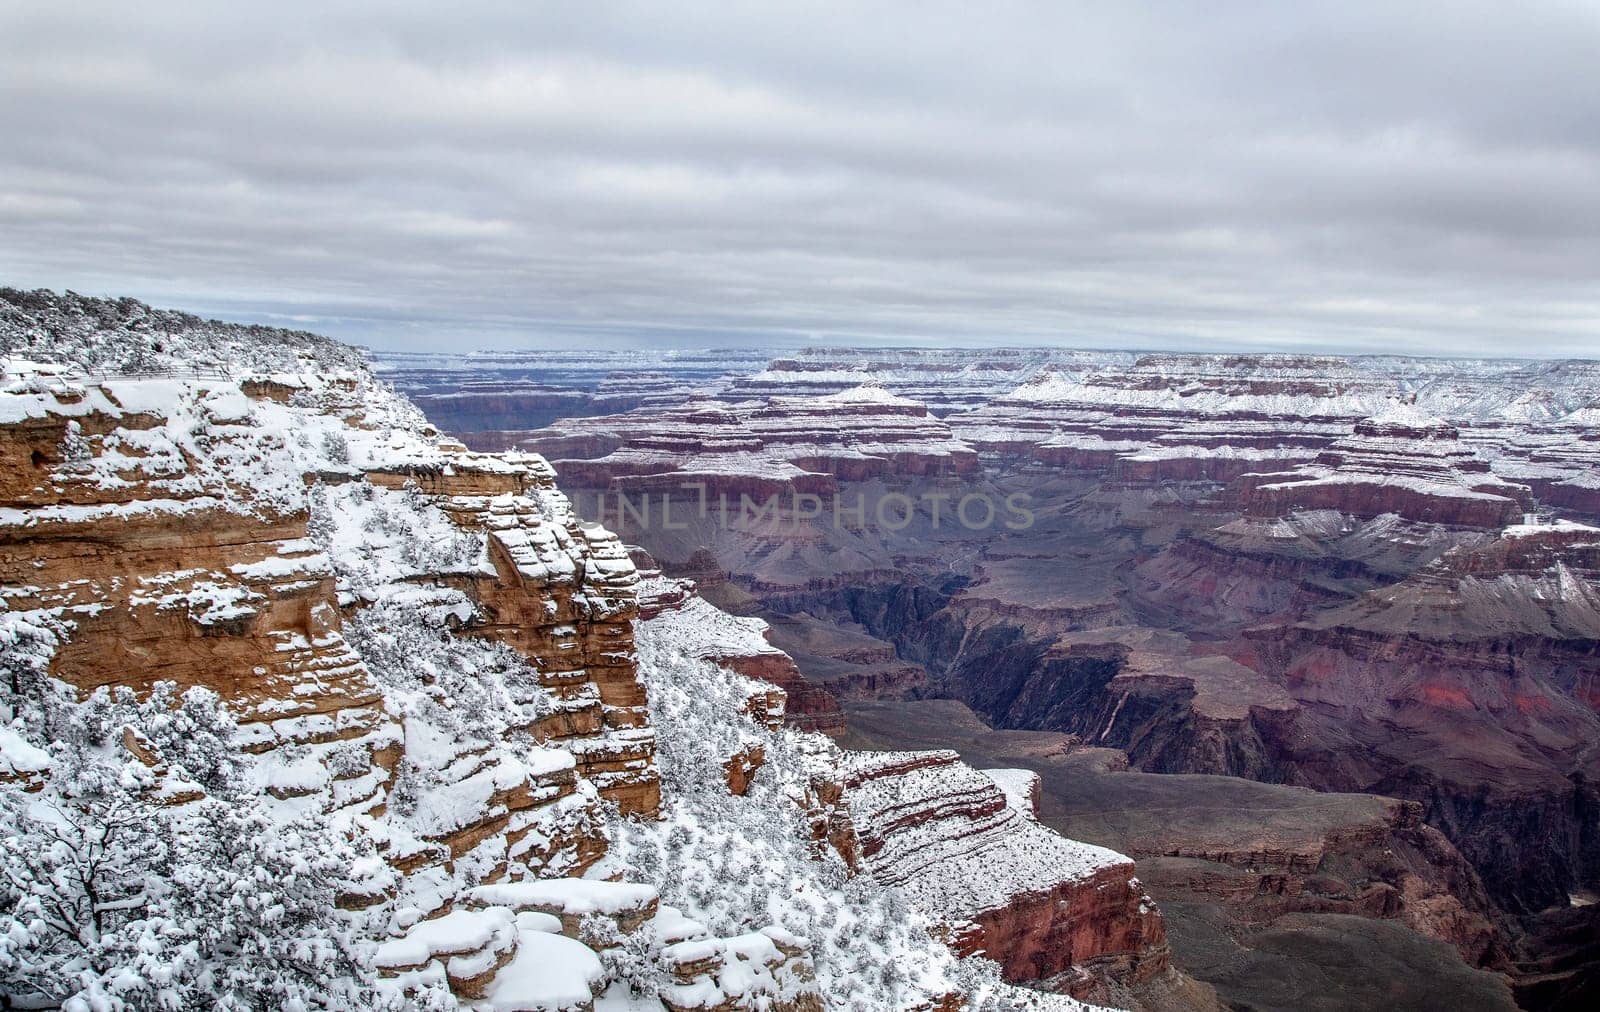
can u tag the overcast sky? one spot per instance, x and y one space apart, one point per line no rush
1356 176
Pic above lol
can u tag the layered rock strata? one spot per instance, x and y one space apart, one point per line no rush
427 650
756 448
1043 905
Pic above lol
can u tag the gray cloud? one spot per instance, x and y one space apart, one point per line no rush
1364 176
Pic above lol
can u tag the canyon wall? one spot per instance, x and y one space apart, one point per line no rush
428 655
1293 569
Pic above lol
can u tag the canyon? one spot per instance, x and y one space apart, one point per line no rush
532 770
884 678
1255 580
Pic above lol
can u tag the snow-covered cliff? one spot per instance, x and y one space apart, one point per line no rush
305 706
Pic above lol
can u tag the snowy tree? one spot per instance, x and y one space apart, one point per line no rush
108 901
75 872
336 448
191 732
260 900
112 900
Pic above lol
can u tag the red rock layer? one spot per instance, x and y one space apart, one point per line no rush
756 448
1041 905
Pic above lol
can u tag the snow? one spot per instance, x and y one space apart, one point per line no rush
297 778
955 859
1407 414
1545 527
700 627
550 973
1413 483
868 393
1019 787
670 925
18 757
460 931
572 897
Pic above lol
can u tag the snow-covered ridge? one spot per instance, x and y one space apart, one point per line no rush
1322 386
124 336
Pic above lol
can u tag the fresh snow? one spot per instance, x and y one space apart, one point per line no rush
572 897
318 821
550 973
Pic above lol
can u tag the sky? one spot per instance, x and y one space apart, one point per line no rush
1345 176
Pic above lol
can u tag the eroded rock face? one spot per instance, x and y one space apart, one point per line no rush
302 546
1287 568
161 562
428 649
1401 463
1041 904
757 448
1488 651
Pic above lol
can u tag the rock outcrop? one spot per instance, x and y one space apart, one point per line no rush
1044 906
1244 859
1401 463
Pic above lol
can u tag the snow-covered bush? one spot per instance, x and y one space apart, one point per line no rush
108 901
377 536
741 863
190 732
473 688
336 448
632 959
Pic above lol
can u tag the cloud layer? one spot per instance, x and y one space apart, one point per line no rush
1354 176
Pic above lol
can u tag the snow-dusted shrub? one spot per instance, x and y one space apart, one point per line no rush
127 336
741 863
190 732
108 901
632 959
75 449
377 536
262 895
405 792
474 688
26 647
336 448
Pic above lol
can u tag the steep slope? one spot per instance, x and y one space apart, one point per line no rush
255 607
1472 686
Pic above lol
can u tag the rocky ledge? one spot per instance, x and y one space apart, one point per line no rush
978 862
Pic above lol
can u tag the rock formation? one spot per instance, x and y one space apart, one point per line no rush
1044 905
1345 574
567 791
